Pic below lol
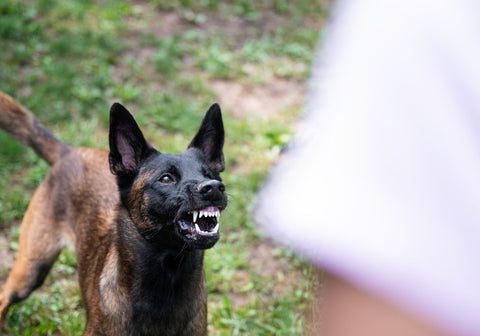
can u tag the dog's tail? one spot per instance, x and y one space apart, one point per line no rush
21 124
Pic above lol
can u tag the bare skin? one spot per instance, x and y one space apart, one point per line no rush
346 310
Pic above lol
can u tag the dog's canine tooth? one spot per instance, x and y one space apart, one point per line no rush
195 216
201 214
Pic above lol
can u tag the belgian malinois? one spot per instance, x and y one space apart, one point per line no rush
139 221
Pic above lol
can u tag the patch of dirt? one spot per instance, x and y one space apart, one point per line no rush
146 19
276 273
160 24
164 23
262 100
240 298
266 101
264 262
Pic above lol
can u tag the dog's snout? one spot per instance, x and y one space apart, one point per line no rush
211 189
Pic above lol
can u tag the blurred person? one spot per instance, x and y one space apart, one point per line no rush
381 188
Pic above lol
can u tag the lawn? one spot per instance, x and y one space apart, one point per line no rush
166 61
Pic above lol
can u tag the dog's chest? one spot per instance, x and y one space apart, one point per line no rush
159 301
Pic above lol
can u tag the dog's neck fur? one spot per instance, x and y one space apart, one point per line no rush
156 275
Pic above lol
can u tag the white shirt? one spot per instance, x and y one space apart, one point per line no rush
383 185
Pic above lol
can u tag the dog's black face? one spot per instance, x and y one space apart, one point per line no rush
180 199
175 200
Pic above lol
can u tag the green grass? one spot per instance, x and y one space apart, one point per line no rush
68 61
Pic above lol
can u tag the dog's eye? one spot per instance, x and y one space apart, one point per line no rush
166 179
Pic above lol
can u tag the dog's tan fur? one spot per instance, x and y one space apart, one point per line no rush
60 207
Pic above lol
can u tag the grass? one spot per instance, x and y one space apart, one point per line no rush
69 60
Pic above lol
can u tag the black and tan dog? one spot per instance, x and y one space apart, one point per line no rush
139 233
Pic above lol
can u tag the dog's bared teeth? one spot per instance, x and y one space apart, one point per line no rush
215 229
210 212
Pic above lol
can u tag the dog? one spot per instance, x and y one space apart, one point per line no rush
139 221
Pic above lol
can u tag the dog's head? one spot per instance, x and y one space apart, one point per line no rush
175 200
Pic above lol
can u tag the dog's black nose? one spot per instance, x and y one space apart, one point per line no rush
211 189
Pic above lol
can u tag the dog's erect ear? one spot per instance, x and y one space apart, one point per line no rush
210 138
128 147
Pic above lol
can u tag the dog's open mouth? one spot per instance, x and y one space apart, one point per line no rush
203 223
